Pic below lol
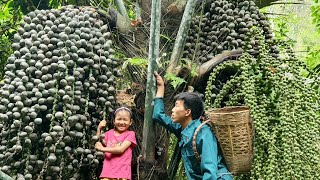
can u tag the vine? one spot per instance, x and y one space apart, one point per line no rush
283 110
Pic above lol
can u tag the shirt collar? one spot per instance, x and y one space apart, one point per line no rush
189 130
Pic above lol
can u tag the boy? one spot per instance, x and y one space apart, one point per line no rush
184 120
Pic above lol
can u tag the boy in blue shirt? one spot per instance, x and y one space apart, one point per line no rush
184 120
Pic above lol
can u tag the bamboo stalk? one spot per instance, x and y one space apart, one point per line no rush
148 143
181 36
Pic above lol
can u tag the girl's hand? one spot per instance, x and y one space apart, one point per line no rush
98 146
159 79
102 124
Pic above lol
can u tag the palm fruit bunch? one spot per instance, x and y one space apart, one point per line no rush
283 109
223 25
58 84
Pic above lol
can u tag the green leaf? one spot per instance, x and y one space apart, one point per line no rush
190 65
5 10
54 4
174 80
165 37
138 61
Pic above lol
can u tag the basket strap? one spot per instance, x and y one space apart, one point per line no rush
194 144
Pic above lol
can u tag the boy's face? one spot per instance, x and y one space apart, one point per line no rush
179 113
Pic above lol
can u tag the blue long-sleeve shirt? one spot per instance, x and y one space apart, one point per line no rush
211 166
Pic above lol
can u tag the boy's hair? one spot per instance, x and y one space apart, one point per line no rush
192 101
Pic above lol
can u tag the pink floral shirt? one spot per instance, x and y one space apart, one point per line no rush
118 165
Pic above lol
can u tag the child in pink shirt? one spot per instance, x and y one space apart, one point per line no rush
119 144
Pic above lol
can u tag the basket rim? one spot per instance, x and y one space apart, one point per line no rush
217 110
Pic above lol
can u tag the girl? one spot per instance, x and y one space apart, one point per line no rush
119 144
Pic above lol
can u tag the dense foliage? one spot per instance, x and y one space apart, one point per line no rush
316 13
59 82
283 111
10 17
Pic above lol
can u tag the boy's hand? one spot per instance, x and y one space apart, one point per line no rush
102 124
160 85
159 79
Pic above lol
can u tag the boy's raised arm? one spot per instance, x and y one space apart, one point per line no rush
158 110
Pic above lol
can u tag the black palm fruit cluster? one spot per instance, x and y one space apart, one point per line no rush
223 25
58 84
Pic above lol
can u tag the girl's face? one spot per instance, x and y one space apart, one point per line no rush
122 121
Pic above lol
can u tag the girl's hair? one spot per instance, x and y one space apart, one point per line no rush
123 108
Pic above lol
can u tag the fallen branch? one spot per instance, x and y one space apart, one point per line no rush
209 65
206 68
274 3
276 14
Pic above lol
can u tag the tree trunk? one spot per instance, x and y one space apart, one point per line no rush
4 176
148 141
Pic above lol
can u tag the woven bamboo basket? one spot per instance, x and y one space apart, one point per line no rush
233 129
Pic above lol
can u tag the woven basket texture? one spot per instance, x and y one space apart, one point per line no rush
233 129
